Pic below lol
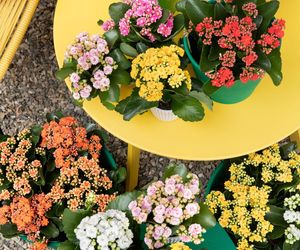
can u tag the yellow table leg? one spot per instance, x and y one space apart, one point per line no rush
133 164
296 138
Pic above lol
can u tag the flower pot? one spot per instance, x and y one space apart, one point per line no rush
51 244
235 94
215 238
163 115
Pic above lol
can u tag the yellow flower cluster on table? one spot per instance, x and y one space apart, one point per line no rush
179 246
157 69
244 212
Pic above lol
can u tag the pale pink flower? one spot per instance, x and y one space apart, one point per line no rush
107 70
185 238
177 212
142 217
151 190
159 210
158 244
158 232
148 242
98 74
109 60
192 209
74 77
187 194
159 219
94 60
132 205
195 230
174 221
136 211
167 232
169 189
76 95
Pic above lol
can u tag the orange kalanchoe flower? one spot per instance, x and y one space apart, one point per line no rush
39 245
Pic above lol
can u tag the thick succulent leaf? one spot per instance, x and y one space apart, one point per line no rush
175 169
220 12
118 10
128 50
275 216
207 65
122 201
68 245
267 11
187 108
263 61
134 105
112 37
276 65
276 233
198 10
168 4
120 76
141 47
121 59
203 98
50 231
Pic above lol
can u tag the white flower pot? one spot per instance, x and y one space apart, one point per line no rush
163 115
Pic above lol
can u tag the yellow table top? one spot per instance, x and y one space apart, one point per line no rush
269 115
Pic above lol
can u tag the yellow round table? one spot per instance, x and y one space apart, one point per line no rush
269 115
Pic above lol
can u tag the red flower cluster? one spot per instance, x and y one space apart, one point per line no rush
235 36
271 40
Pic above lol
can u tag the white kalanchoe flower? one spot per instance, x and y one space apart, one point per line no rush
105 231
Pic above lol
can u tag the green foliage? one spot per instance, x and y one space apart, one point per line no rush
68 68
198 10
9 230
276 65
68 245
175 169
122 201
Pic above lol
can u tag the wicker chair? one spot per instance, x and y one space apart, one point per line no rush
15 16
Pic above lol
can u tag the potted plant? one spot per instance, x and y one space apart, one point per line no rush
162 85
47 169
232 44
170 211
256 198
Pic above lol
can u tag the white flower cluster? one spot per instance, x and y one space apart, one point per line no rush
292 216
105 231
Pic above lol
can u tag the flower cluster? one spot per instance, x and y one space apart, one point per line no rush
179 246
16 168
80 176
143 15
104 231
235 37
248 193
170 203
292 217
157 69
93 65
28 214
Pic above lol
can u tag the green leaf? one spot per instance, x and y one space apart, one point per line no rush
141 47
50 231
178 26
276 65
134 105
117 11
128 50
63 73
267 11
198 10
111 36
175 169
202 97
275 216
187 108
181 6
214 52
71 220
56 116
263 61
58 223
122 201
205 218
168 4
121 175
258 20
220 12
9 230
67 245
287 246
104 100
121 59
207 65
120 76
277 233
287 148
209 89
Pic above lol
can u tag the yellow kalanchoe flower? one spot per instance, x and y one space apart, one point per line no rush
157 69
179 246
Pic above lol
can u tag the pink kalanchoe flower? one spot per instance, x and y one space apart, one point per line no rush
74 77
195 230
165 29
124 26
108 25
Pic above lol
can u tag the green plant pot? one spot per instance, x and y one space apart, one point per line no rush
215 238
235 94
51 244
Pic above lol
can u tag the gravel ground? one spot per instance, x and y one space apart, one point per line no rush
30 90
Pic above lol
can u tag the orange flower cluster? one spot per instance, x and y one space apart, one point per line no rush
27 214
39 245
16 168
67 139
80 176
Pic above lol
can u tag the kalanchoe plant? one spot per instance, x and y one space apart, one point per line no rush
258 204
44 170
168 211
95 69
161 81
141 21
235 39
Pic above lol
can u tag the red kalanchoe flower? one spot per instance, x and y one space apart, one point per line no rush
250 9
223 77
250 59
252 74
228 58
277 28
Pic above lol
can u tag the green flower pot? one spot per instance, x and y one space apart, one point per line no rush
215 238
235 94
